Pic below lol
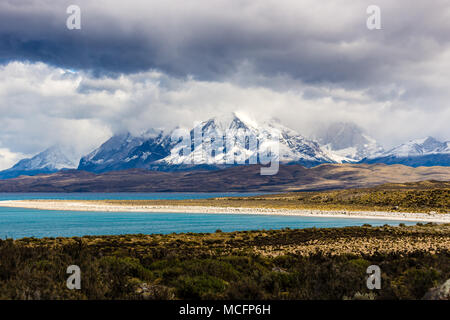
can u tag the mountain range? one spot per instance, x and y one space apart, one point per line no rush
421 152
158 150
232 140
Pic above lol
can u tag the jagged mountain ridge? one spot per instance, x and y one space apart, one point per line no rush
165 151
420 152
125 151
419 147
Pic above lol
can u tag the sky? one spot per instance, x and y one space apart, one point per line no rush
136 65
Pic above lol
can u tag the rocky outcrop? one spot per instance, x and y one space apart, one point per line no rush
441 292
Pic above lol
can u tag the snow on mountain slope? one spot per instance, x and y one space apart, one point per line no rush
420 152
116 149
419 147
292 147
125 151
206 143
347 142
226 140
50 160
295 148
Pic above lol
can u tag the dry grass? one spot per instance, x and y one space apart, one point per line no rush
266 264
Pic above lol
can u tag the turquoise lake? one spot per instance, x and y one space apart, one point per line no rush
18 223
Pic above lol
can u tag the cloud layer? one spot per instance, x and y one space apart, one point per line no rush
315 41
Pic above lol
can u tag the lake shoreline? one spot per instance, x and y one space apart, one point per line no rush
75 205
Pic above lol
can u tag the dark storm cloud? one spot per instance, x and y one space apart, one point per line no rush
35 34
314 41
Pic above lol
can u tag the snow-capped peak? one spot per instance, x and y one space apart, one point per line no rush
165 151
53 158
347 142
419 147
229 121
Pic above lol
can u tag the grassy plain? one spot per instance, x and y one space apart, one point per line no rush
265 264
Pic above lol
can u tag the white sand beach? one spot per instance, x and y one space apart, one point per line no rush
75 205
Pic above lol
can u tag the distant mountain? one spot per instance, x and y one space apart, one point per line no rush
347 142
51 160
421 152
158 150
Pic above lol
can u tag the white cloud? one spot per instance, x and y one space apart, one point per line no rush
8 158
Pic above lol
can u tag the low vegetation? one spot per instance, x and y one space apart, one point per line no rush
266 264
